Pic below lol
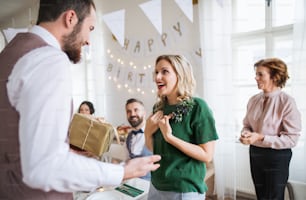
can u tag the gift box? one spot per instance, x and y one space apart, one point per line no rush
90 134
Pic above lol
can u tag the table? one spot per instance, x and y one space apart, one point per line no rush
113 194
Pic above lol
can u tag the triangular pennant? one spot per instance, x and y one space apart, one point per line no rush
152 10
116 23
187 8
10 33
220 2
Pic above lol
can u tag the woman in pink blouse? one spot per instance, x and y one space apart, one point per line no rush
271 127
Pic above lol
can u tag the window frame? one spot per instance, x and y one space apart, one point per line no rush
268 35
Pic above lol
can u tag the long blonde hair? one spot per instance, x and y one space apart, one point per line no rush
186 82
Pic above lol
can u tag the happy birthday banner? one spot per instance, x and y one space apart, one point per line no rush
126 65
128 77
123 62
148 46
152 9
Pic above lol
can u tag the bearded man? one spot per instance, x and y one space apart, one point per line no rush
135 142
36 105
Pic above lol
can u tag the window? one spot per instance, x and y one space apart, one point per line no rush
261 28
249 15
266 30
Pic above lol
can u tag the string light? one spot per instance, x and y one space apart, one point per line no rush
130 64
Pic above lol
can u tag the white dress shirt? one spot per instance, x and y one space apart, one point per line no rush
40 88
137 143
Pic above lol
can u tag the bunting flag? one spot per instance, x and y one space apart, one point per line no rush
153 11
187 8
116 23
131 68
10 33
220 2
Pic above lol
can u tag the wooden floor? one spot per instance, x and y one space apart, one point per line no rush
239 196
243 198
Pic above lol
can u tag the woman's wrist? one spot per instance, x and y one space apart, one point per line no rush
169 137
261 137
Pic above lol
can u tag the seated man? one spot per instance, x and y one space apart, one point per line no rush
135 141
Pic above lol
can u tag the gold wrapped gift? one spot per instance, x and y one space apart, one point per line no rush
90 134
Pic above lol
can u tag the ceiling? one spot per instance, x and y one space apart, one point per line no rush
10 8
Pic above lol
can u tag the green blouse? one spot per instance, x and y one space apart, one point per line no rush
179 172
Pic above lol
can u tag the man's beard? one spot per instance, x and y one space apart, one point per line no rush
136 123
71 46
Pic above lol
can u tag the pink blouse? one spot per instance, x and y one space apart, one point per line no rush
279 121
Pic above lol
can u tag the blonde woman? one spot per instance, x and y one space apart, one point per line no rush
181 130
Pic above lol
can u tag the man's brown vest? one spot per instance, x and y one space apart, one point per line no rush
11 185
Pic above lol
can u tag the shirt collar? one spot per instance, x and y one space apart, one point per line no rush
45 35
271 94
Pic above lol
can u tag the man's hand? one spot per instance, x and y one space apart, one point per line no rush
140 166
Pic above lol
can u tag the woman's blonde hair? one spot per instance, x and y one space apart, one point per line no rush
186 83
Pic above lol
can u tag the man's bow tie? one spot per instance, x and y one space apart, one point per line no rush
135 132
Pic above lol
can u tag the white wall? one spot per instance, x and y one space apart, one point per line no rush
22 19
139 28
90 77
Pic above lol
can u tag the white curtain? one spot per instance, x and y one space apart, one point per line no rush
215 19
215 30
298 76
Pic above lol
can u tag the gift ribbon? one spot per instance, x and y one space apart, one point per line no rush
91 125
